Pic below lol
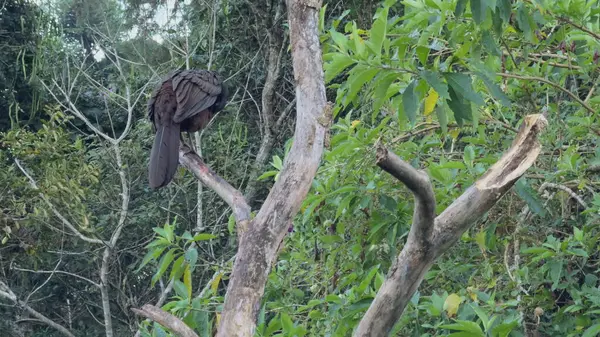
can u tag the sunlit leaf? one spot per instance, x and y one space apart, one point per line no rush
430 102
451 304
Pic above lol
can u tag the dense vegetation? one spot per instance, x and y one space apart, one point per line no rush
444 84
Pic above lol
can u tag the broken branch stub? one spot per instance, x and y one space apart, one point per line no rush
421 250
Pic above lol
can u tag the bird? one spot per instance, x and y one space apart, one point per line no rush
185 100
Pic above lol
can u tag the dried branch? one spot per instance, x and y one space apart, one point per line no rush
96 284
557 86
7 293
418 183
208 177
580 27
419 253
165 319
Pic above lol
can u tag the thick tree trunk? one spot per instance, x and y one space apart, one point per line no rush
259 244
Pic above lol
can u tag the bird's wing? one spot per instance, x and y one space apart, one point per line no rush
196 90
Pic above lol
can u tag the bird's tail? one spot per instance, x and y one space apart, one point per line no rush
164 157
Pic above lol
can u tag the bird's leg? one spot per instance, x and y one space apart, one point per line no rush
192 143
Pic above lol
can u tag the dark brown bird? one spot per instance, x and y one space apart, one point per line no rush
185 101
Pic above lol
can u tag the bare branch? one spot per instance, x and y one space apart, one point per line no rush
6 292
557 86
418 183
165 319
419 253
228 193
580 27
57 272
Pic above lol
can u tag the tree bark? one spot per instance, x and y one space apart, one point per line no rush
259 244
429 238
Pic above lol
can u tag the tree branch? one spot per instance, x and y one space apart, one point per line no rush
580 27
418 183
64 220
6 292
165 319
228 193
557 86
419 253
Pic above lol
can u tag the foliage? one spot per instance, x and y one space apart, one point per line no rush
444 84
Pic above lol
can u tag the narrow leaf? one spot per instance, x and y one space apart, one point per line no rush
434 79
525 192
479 10
461 83
410 102
460 107
461 5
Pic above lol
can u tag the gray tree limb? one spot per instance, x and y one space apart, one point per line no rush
428 238
258 245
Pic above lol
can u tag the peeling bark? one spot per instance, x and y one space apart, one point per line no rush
429 238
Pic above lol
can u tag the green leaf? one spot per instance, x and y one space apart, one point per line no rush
359 76
434 79
489 44
524 20
367 280
479 10
191 256
460 107
277 162
592 331
378 31
525 192
462 84
339 62
169 235
422 54
482 316
383 82
180 289
504 329
151 255
410 102
504 9
340 40
177 268
469 155
494 89
467 326
440 111
461 5
203 237
163 265
286 322
161 232
359 44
